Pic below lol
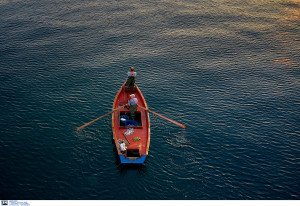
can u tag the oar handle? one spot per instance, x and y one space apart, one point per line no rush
180 125
83 126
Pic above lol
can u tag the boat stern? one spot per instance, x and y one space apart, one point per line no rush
132 160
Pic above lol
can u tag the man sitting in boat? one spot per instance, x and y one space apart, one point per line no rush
133 103
130 80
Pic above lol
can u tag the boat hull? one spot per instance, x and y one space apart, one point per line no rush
133 135
125 160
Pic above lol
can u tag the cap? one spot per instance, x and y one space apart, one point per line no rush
132 95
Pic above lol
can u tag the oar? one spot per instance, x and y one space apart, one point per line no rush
126 138
83 126
180 125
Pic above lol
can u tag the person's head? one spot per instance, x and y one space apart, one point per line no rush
132 95
132 68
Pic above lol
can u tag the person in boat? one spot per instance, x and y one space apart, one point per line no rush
133 103
130 80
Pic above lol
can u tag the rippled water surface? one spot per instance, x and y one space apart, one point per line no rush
228 70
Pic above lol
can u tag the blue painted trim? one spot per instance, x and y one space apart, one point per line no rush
137 161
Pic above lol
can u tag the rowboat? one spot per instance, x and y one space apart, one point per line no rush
131 137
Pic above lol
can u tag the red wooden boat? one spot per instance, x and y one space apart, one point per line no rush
132 137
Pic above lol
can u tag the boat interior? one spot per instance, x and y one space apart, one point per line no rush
126 115
133 153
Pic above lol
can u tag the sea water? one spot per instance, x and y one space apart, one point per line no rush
228 70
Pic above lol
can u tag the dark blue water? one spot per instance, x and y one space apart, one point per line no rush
228 70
